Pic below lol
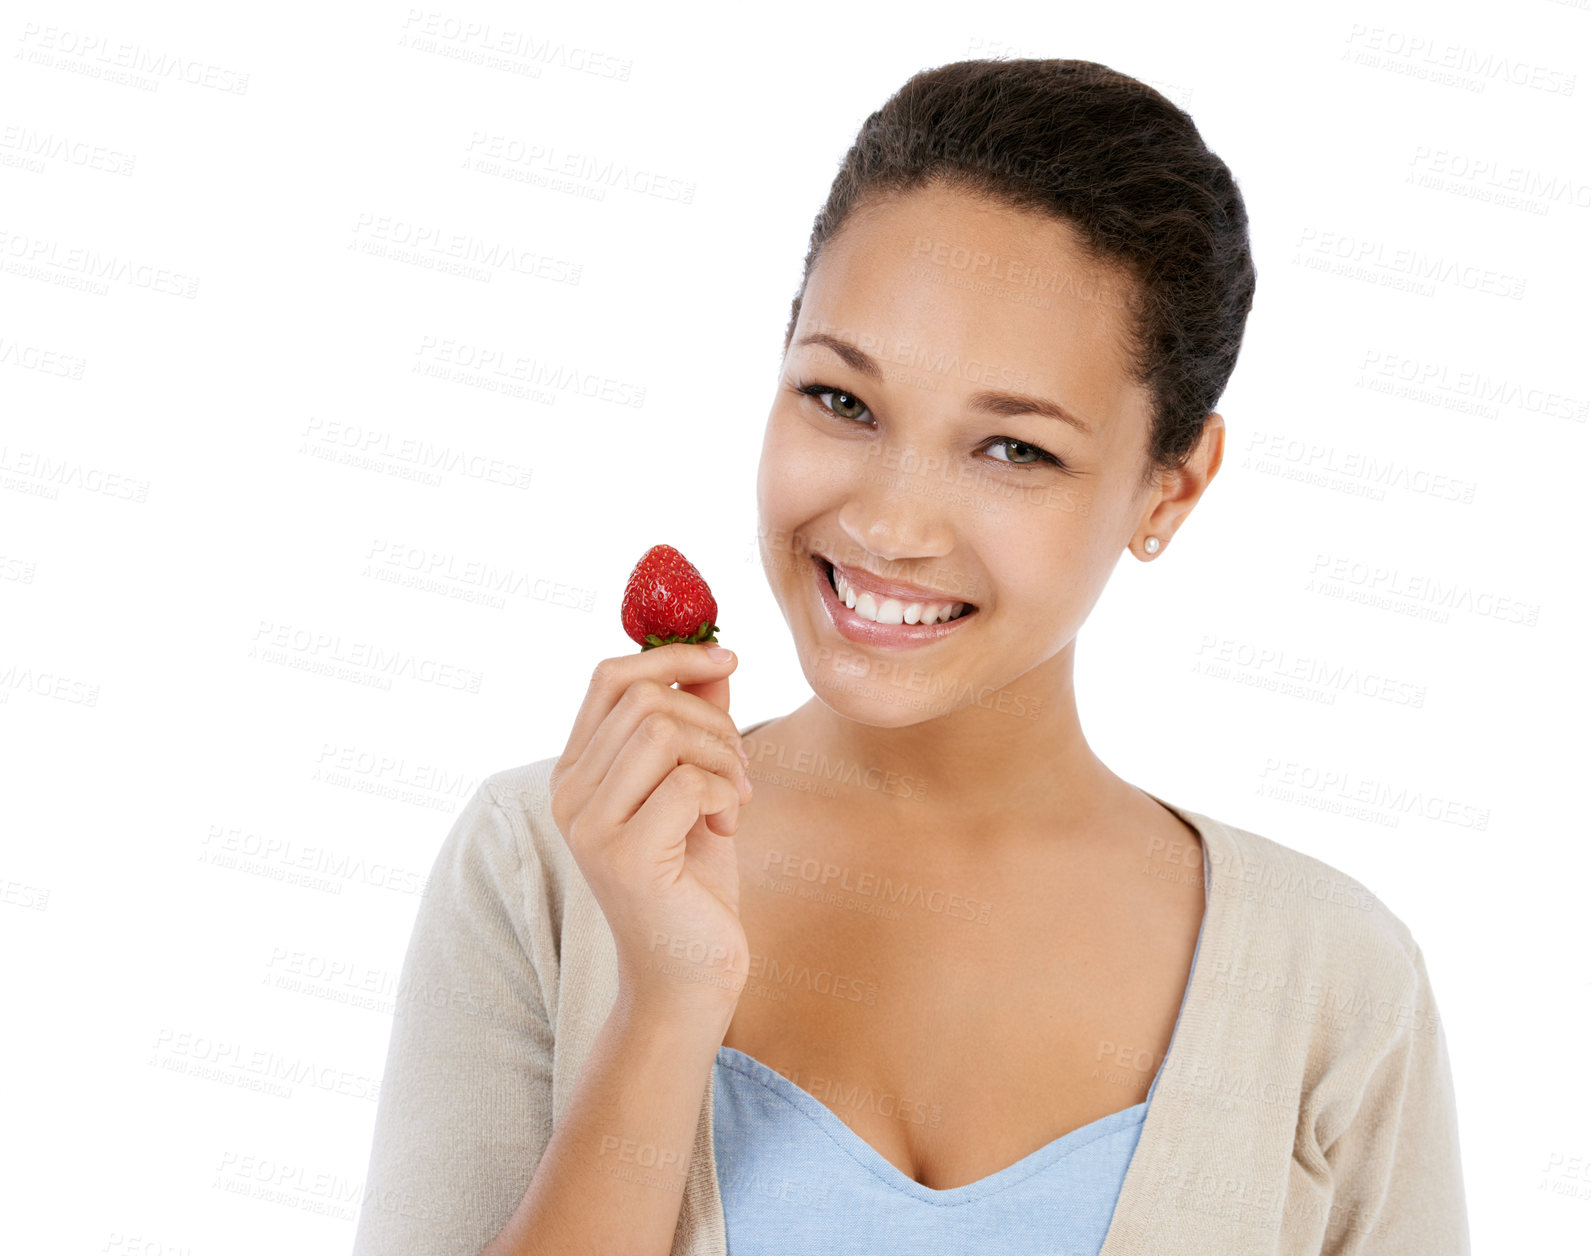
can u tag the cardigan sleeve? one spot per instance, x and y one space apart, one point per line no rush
1398 1182
465 1105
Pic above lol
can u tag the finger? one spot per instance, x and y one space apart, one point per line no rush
714 742
713 691
681 661
660 741
683 796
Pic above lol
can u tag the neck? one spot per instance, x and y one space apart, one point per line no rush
1012 762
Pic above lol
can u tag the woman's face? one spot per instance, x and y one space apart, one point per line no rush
909 468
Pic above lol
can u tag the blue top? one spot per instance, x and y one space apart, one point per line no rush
794 1177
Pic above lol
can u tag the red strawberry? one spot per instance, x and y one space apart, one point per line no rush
667 600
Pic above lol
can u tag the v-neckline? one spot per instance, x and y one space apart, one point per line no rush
876 1163
869 1157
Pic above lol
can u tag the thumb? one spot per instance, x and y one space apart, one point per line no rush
715 691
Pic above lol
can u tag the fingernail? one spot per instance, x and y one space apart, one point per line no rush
718 654
744 757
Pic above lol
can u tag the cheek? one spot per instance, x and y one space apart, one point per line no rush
794 477
1047 565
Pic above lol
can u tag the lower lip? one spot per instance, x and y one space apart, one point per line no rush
853 627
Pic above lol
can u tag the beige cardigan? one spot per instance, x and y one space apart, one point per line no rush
1305 1105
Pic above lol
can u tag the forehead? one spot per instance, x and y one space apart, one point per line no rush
970 293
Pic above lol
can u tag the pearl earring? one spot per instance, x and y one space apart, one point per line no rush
1151 544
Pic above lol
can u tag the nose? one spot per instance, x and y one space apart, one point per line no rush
897 514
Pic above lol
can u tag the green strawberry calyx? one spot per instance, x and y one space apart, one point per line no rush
704 635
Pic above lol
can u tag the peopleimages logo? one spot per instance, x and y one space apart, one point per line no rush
39 257
429 30
839 879
117 61
1442 60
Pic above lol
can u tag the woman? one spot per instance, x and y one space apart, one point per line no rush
945 979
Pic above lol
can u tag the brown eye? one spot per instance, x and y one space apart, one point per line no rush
850 407
847 403
1016 445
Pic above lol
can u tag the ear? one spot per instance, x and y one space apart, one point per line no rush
1181 487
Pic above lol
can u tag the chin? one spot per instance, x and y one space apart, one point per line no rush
881 693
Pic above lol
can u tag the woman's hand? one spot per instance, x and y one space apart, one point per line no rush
647 794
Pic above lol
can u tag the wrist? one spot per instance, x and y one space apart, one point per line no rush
682 1018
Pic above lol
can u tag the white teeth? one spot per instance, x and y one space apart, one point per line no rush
892 610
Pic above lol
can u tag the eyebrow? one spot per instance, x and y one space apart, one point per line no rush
989 401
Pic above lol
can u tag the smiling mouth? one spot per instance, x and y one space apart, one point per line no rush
906 602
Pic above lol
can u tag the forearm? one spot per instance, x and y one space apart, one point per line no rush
613 1174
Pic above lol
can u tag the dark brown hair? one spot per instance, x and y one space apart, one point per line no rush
1121 165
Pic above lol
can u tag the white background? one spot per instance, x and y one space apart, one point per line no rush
217 666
